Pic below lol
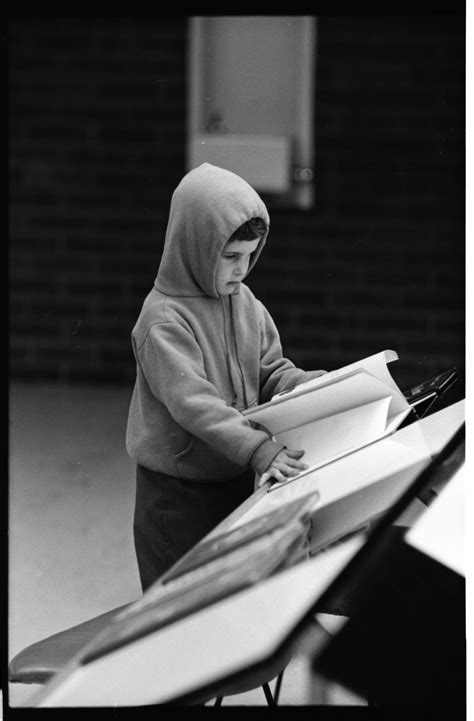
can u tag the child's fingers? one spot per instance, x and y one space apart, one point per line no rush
294 470
296 464
294 454
280 473
272 473
284 466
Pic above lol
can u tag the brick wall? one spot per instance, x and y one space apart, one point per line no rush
97 128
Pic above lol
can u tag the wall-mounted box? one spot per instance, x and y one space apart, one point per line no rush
263 161
251 97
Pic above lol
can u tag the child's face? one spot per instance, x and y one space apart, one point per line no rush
233 264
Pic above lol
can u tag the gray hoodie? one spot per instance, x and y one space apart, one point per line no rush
202 358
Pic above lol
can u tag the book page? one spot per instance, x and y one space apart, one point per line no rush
328 437
375 364
342 394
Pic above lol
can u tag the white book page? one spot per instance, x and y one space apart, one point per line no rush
328 437
375 364
389 457
341 395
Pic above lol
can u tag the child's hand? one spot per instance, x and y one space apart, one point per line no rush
285 465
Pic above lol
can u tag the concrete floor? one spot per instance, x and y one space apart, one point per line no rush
71 502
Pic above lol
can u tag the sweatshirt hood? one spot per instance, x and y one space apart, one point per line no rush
208 205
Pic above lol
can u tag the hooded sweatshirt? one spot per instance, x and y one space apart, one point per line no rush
203 358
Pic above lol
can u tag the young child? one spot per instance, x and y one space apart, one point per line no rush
205 349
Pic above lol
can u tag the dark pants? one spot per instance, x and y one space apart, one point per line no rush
172 515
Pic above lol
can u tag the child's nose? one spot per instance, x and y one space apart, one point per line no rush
241 267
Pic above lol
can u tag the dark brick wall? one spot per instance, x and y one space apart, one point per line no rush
96 131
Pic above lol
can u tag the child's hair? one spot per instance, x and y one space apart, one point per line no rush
252 229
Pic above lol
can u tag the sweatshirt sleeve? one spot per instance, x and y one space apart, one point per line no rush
173 365
277 373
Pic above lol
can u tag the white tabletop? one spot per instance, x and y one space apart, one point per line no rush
446 512
247 627
363 484
205 647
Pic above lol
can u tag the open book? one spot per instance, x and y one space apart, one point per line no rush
336 413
